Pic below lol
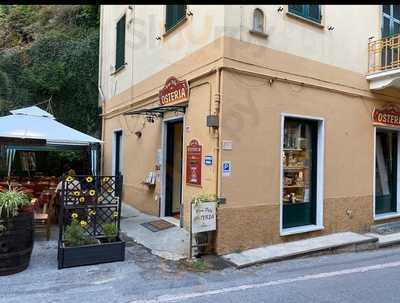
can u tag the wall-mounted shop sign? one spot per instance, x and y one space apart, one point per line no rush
174 91
387 115
193 163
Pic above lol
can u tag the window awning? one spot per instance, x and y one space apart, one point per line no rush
158 111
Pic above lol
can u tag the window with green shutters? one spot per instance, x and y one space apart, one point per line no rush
174 14
120 44
310 12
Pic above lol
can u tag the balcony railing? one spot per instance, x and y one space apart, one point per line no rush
384 54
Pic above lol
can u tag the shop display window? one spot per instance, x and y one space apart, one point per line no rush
299 155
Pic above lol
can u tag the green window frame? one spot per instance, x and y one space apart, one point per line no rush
307 11
173 15
300 141
120 43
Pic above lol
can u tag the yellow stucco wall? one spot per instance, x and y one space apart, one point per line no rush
258 85
140 154
252 107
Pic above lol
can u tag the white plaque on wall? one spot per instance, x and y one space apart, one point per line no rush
227 144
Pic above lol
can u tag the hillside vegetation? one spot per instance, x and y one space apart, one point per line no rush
51 51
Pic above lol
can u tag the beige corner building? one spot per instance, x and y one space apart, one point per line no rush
287 113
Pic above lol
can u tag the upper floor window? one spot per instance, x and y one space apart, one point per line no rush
310 12
174 14
391 20
258 20
120 44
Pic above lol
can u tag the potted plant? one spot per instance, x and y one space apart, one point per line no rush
79 248
202 238
89 221
16 231
110 231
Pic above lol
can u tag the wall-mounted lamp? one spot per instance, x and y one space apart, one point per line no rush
331 28
189 13
270 81
150 119
280 9
138 133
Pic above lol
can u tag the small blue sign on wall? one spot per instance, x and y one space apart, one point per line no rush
226 168
208 160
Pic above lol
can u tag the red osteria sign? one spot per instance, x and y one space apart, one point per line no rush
193 163
387 115
174 91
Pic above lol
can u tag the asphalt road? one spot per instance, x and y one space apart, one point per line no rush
372 276
353 277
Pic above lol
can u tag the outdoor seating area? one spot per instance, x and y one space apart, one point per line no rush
85 206
41 191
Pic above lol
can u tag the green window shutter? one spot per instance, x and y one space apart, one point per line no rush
314 13
174 14
120 44
296 9
311 12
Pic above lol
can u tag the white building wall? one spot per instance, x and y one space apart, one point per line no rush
345 46
143 51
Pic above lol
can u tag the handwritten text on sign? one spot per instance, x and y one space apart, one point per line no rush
204 217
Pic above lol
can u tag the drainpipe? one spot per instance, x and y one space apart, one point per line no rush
218 109
102 97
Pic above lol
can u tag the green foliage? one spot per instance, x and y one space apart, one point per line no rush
58 58
75 235
11 203
110 231
203 198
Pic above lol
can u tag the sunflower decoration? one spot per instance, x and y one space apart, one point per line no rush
82 199
89 179
115 214
92 212
92 192
110 190
100 200
77 193
83 223
74 215
106 179
69 179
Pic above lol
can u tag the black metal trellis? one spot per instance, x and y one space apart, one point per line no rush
94 201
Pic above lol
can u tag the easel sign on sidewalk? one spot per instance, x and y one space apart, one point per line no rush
203 218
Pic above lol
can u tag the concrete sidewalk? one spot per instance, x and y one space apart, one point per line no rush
345 241
171 243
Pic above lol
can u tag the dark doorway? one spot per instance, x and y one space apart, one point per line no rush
386 172
117 156
173 172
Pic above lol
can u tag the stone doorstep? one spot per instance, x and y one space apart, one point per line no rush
385 228
386 239
284 251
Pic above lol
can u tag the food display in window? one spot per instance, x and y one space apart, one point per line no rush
296 155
